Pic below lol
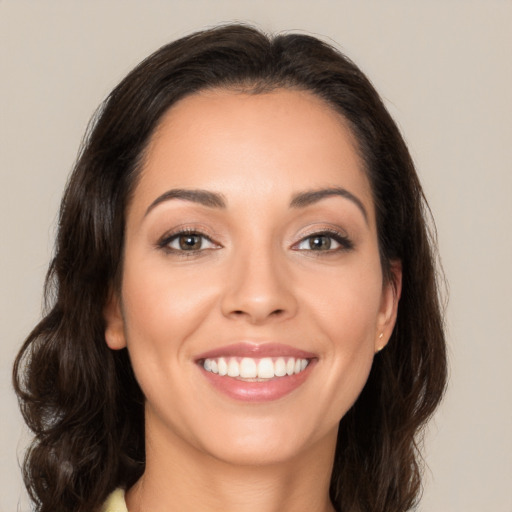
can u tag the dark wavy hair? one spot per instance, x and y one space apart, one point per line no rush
81 399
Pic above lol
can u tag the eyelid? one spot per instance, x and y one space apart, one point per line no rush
340 237
165 240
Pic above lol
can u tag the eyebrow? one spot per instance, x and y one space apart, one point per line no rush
203 197
215 200
310 197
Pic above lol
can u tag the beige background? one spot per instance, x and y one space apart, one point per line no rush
445 71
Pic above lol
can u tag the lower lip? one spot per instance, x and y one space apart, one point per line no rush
264 391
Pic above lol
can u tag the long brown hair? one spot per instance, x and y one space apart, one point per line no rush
81 399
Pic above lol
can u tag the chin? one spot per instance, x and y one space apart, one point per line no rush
255 452
270 441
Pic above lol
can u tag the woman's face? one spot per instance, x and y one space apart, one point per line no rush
252 298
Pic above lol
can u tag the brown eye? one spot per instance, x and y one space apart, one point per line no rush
190 242
187 241
320 243
327 241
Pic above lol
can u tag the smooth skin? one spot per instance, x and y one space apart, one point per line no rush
248 264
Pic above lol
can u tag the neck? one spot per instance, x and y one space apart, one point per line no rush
178 477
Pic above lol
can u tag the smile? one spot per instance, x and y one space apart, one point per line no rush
252 372
255 369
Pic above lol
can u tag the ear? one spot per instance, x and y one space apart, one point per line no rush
389 306
114 323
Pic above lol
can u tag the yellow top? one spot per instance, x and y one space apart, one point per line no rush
115 502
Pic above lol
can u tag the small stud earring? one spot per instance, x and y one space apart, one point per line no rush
381 335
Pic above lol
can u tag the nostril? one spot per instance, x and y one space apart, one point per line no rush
275 313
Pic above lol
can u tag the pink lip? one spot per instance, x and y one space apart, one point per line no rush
264 391
256 350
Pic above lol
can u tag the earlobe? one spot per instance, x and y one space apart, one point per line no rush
389 306
114 323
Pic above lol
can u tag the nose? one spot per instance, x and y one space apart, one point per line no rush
259 288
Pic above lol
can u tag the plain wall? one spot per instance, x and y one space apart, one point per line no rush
444 69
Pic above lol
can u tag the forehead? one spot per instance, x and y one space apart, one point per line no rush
233 114
272 142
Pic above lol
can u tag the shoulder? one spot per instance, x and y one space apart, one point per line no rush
115 502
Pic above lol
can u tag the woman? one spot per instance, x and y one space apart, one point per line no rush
242 308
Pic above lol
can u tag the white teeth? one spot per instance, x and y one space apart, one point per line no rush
290 366
223 366
280 367
249 368
233 368
266 368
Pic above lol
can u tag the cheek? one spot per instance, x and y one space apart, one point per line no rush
345 312
161 310
345 301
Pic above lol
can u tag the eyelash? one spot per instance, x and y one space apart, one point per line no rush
345 244
167 239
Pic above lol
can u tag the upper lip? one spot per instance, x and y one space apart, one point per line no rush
256 350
